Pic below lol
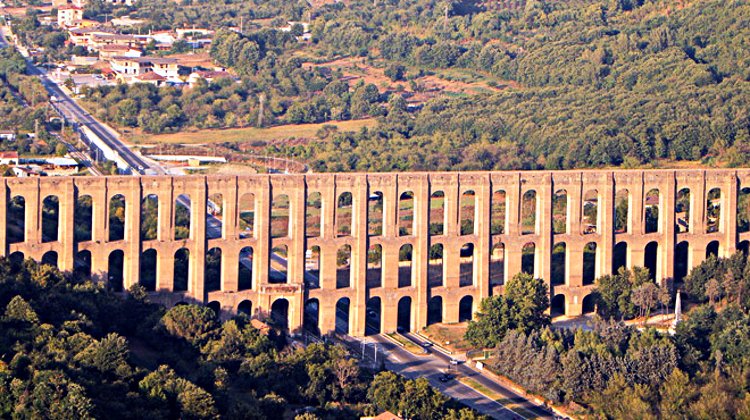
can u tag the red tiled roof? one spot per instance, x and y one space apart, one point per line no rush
150 76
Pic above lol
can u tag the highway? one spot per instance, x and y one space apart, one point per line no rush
432 366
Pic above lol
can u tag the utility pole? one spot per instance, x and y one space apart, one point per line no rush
261 108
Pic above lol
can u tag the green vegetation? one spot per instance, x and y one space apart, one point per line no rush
70 348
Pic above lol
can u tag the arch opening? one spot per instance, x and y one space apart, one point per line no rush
497 265
311 317
713 211
49 258
212 273
437 213
468 213
589 263
280 314
406 214
713 248
682 210
559 252
313 211
245 270
405 265
280 216
82 264
557 306
246 217
743 210
590 220
560 212
181 270
83 218
651 258
375 214
16 220
622 211
589 304
312 267
342 316
528 213
149 217
215 216
651 211
498 215
373 316
245 308
435 267
466 309
375 266
403 318
215 307
115 266
528 258
182 217
51 219
147 275
435 310
117 218
619 257
466 265
344 267
344 214
277 270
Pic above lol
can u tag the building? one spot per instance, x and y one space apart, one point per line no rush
8 158
165 67
207 75
151 78
99 40
69 15
7 135
111 51
62 3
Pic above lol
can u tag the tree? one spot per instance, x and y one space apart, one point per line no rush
677 392
645 297
20 311
395 72
191 322
385 392
713 291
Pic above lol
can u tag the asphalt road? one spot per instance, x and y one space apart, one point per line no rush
433 365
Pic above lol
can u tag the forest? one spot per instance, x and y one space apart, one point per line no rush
578 84
71 348
619 371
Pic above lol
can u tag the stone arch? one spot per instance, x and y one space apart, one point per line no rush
466 265
498 215
682 206
437 213
246 215
311 316
435 268
497 265
343 315
528 258
313 212
713 248
620 257
435 310
528 213
82 264
651 205
557 305
344 214
117 218
277 269
744 247
50 258
149 217
406 214
181 270
405 265
743 210
373 319
404 315
651 260
246 269
466 309
116 264
682 259
559 266
83 221
245 308
51 219
213 271
280 216
149 267
344 267
16 259
590 268
622 211
468 212
560 212
182 217
312 267
215 216
215 306
375 214
588 305
590 222
713 211
16 220
375 266
280 313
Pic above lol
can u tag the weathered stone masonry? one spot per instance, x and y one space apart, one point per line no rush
261 296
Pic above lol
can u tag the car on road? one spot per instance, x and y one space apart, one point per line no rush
454 362
445 378
426 344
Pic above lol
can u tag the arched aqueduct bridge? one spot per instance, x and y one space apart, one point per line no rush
364 253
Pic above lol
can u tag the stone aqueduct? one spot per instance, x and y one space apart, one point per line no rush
374 251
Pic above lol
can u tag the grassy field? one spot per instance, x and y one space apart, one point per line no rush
249 134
